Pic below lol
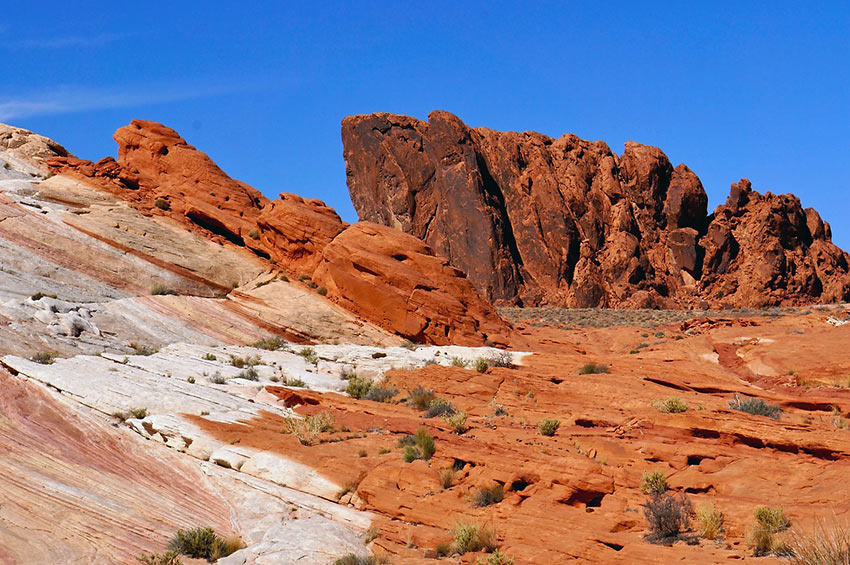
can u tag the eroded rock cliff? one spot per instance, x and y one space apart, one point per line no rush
540 221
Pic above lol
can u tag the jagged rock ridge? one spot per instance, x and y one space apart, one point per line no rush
540 221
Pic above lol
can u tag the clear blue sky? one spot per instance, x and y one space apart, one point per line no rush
760 90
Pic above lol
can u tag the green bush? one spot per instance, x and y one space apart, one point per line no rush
593 369
422 446
671 405
322 291
208 357
358 387
45 357
168 558
141 349
309 355
668 517
273 343
380 393
420 398
354 559
460 362
653 483
457 421
162 204
469 537
755 406
160 289
202 543
486 496
439 407
481 365
249 374
548 427
242 362
290 381
495 558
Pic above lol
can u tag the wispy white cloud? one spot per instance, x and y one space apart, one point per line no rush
70 99
47 42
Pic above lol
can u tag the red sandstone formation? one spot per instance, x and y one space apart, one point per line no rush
296 230
397 282
159 173
537 221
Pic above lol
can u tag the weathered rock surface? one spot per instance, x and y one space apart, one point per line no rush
159 174
397 282
29 147
536 221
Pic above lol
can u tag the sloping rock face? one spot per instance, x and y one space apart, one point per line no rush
158 170
160 174
30 147
540 221
396 281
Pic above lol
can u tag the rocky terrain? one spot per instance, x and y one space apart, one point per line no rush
177 351
566 222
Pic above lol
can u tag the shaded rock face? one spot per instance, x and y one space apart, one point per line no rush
540 221
159 173
396 281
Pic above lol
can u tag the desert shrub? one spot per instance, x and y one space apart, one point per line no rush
39 295
302 277
668 517
469 536
254 233
307 429
311 284
191 380
548 427
347 374
208 357
773 519
420 398
309 355
755 406
653 483
422 446
44 357
269 343
460 362
362 453
202 543
354 559
218 379
823 546
380 393
671 405
486 496
457 421
160 289
141 349
242 362
167 558
409 345
291 381
162 204
709 521
358 387
447 477
249 374
322 291
495 558
593 369
501 359
481 365
439 407
138 413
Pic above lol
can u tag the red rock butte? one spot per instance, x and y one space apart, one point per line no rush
566 222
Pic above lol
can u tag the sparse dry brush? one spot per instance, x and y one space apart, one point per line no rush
307 429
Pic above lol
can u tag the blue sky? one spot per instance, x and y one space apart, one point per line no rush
757 90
